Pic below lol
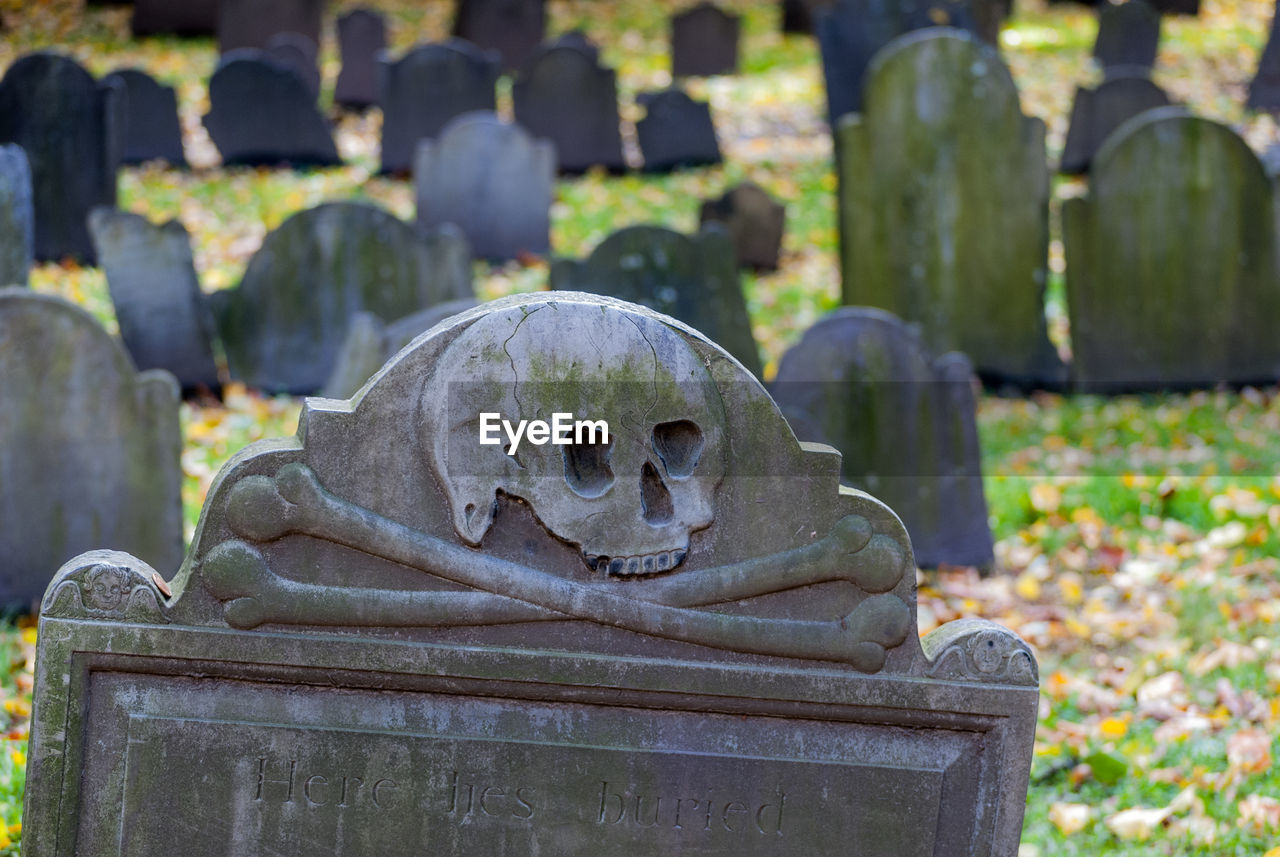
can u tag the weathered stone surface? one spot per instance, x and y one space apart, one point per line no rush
1128 35
704 41
282 327
426 88
262 113
252 23
755 224
165 17
162 314
1264 89
1098 112
1171 260
491 180
300 54
88 447
362 35
72 130
17 217
904 421
676 131
694 278
565 96
513 28
151 128
944 194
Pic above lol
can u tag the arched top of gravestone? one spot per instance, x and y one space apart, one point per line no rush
577 39
704 41
153 129
558 58
1169 132
991 81
754 219
298 52
362 36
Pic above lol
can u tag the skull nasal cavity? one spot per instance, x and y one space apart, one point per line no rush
655 497
586 468
679 445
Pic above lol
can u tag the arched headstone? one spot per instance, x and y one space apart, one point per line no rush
1098 112
704 41
754 221
565 96
513 28
362 35
676 131
299 53
252 23
1128 35
152 129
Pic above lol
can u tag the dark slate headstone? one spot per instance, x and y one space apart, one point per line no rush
299 53
167 18
362 35
944 199
568 98
385 605
513 28
491 180
1171 260
694 278
152 129
799 16
72 129
252 23
1164 7
282 327
676 131
1098 112
575 39
704 41
427 87
89 448
261 113
754 222
1128 35
904 421
162 314
17 217
1264 89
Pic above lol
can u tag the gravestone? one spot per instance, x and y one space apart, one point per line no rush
152 129
389 639
704 41
1171 260
88 447
152 279
755 224
1096 113
427 87
799 16
565 96
944 195
261 113
167 18
1128 35
72 130
574 39
491 180
299 53
676 131
694 278
1164 7
513 28
17 217
252 23
282 327
362 35
1264 89
904 421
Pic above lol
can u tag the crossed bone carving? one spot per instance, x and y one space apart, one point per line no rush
262 509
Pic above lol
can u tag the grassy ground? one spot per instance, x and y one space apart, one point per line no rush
1138 534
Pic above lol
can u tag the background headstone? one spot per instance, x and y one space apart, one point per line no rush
1264 89
1098 112
904 422
799 16
944 195
299 53
152 129
252 23
162 314
362 35
89 448
754 222
513 28
17 217
1128 35
1171 260
693 278
704 41
564 96
491 180
165 18
676 131
282 327
573 39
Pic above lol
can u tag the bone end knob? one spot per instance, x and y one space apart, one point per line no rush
257 511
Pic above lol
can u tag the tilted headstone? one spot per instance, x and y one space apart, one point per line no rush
754 222
676 131
299 53
513 28
167 18
491 180
89 448
426 88
72 130
1128 35
261 113
704 41
566 97
944 195
362 35
904 421
282 327
17 217
252 23
1264 89
1171 260
152 129
1096 113
389 638
694 278
152 279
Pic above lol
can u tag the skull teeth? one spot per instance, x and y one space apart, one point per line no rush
628 566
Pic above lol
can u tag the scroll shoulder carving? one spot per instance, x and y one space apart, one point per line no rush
106 585
978 650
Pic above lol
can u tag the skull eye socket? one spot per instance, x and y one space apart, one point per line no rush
679 445
586 468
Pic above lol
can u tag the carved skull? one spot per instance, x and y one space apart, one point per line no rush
629 505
